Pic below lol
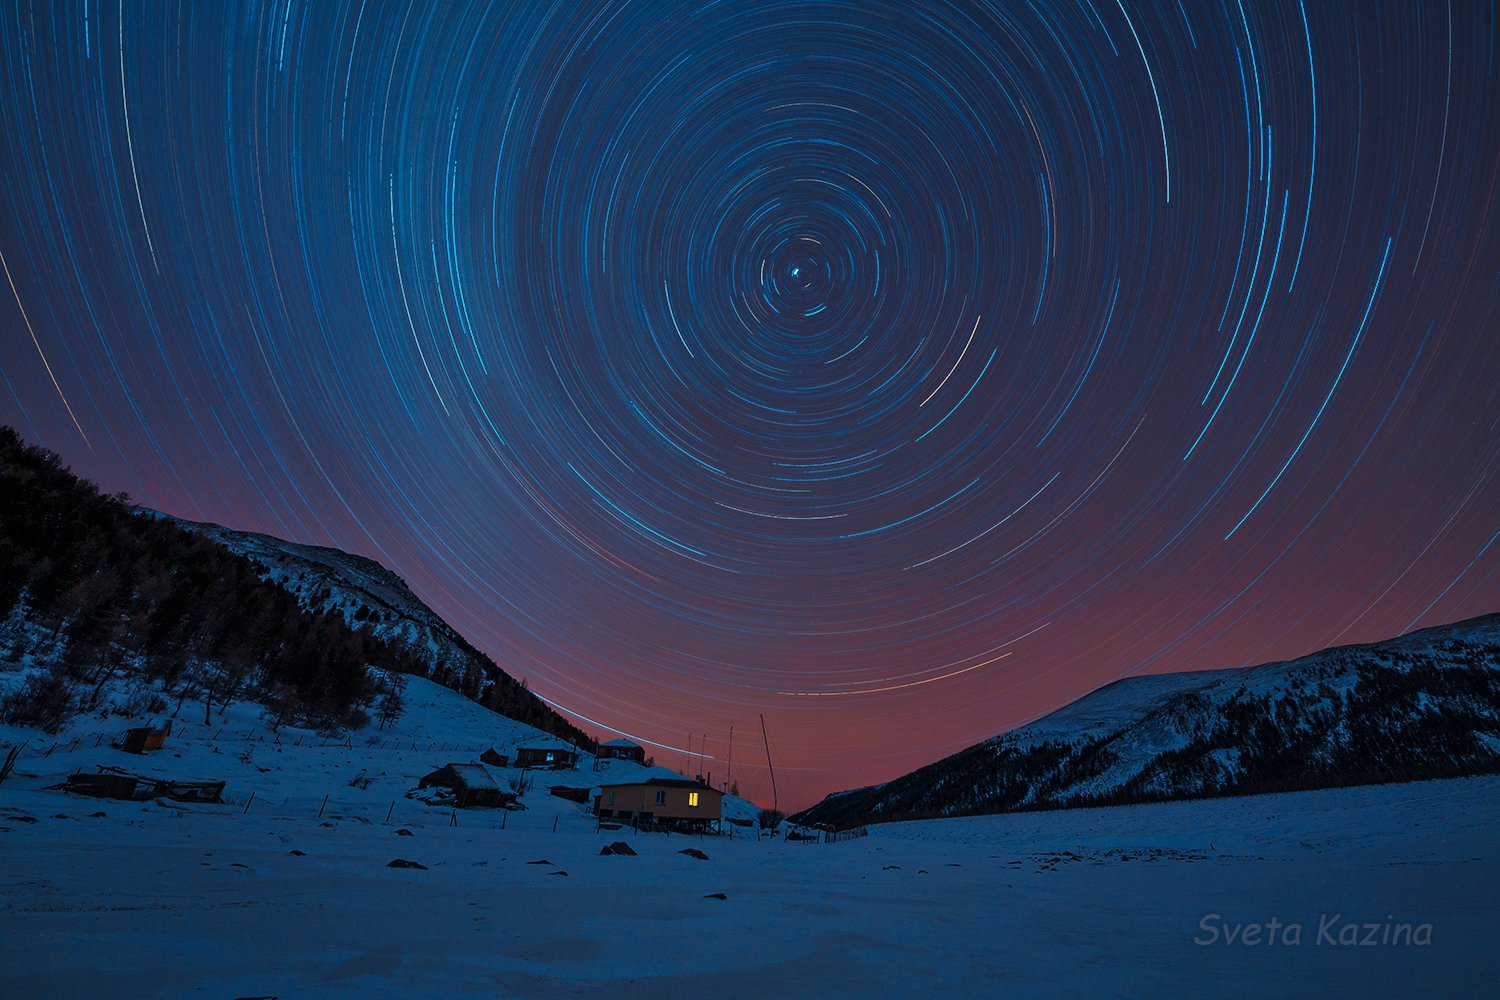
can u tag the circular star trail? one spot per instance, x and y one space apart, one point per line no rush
896 371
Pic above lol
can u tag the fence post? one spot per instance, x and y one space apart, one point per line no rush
322 807
247 803
554 823
453 818
389 811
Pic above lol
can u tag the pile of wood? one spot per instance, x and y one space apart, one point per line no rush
113 783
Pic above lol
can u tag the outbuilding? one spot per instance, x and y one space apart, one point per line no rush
143 739
623 750
471 784
495 757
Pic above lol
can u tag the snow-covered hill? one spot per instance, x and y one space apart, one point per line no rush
366 774
1424 705
371 598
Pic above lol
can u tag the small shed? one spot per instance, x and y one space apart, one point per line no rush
579 795
495 757
623 750
144 738
546 753
471 784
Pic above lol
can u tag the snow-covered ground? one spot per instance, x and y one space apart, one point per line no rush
266 898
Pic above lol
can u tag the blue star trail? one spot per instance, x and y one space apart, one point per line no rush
897 371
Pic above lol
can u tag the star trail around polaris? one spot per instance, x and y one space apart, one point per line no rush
898 371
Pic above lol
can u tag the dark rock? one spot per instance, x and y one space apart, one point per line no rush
562 873
541 862
618 847
693 852
404 832
716 895
403 863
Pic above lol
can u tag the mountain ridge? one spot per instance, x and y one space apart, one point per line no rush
370 597
1424 704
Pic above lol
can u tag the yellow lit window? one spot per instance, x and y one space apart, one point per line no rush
692 798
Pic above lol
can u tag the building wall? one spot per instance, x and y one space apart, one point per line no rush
642 799
538 758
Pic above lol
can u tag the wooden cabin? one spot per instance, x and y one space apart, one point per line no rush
546 753
677 803
495 758
471 784
623 750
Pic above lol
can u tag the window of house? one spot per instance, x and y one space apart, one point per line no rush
610 799
661 798
692 798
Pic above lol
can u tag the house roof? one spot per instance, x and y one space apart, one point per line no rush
472 775
665 783
622 743
544 743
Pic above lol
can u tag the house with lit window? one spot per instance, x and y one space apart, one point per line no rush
623 750
546 752
676 803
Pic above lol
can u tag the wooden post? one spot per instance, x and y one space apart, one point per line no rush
10 760
502 818
453 818
554 823
391 810
247 803
322 807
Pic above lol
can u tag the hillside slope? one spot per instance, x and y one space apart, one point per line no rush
1424 705
372 599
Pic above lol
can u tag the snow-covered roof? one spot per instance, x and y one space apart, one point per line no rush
622 743
472 775
543 743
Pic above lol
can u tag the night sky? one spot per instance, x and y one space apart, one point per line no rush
901 371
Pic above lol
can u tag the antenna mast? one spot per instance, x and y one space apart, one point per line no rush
775 803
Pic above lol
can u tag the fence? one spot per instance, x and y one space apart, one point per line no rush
827 836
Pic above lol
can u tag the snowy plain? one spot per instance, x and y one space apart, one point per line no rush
265 897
